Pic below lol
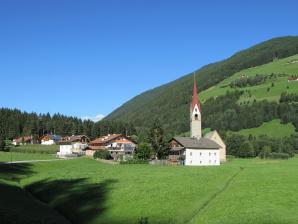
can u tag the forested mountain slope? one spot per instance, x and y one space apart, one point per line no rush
170 103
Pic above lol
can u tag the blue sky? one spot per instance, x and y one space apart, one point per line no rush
86 58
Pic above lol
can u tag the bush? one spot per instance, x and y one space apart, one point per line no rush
278 155
102 154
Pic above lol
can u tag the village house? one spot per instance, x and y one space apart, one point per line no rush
116 144
197 150
76 138
50 139
73 145
23 140
293 78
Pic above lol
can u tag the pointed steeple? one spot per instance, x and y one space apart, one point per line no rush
195 100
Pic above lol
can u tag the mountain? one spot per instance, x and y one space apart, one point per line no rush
170 102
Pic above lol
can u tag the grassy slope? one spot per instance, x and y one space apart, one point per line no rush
170 102
273 129
18 206
264 192
260 92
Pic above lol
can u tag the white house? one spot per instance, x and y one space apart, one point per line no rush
72 149
196 150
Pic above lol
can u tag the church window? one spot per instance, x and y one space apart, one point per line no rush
191 154
196 117
215 153
200 153
209 153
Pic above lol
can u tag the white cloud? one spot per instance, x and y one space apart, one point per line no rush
94 118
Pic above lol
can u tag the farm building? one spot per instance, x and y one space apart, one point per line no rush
116 144
196 150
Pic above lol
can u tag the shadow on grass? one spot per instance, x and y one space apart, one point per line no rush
78 200
15 172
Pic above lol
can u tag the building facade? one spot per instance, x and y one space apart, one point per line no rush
197 150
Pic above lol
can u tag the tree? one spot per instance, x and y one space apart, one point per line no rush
144 151
157 141
246 150
265 152
7 145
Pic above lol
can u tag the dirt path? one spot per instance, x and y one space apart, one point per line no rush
214 196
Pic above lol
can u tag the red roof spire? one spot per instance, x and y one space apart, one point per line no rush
195 100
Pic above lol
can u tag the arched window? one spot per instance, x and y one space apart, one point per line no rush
196 117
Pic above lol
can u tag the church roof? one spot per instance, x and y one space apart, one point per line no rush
194 143
195 100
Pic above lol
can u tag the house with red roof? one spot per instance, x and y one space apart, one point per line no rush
116 144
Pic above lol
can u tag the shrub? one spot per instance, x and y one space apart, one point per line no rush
278 155
102 154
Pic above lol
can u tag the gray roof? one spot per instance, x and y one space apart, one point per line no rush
194 143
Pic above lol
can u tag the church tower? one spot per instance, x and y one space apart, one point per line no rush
195 115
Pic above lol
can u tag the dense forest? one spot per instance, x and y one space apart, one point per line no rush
15 123
170 102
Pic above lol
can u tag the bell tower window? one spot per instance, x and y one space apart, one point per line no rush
196 117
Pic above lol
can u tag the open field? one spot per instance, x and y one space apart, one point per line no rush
270 129
86 191
15 156
282 67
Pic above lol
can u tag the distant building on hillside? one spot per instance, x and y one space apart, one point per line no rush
50 139
292 78
196 150
116 144
23 140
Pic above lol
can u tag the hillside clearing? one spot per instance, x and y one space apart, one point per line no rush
270 129
281 68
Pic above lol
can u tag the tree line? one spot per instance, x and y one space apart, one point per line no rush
15 123
224 113
262 146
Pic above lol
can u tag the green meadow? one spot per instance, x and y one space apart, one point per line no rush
87 191
282 68
16 156
272 129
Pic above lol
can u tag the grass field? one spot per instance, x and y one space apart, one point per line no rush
15 156
270 129
260 92
86 191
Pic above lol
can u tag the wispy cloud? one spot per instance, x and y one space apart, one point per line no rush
94 118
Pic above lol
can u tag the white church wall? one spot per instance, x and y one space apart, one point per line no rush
202 157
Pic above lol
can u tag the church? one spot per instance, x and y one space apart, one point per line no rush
197 150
